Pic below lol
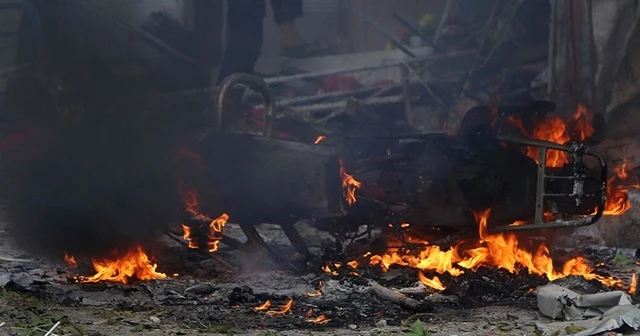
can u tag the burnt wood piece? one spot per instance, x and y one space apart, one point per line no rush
399 299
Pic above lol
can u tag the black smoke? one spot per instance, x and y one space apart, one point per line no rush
87 188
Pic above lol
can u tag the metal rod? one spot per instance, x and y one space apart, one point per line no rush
443 19
534 143
382 30
336 105
431 57
557 195
557 177
406 92
542 162
322 96
549 225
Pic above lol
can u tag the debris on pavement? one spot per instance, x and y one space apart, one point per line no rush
587 314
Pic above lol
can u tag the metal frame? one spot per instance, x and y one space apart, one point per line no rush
253 82
576 152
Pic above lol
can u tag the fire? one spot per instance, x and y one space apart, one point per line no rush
558 130
216 226
582 123
187 235
555 130
133 264
634 285
265 306
70 260
283 309
618 187
318 292
491 250
320 139
319 320
349 184
434 283
309 312
579 126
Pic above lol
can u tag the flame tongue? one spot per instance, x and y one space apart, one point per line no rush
618 189
349 184
216 226
134 264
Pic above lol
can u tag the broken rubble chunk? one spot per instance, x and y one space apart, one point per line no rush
201 289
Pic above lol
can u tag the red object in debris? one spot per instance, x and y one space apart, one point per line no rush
338 83
255 117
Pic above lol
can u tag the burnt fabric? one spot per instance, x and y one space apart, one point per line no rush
244 31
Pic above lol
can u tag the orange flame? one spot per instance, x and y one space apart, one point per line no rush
318 290
618 189
349 184
582 123
552 129
216 226
187 235
320 139
70 260
492 250
133 264
556 129
319 320
264 306
434 283
283 309
634 285
309 312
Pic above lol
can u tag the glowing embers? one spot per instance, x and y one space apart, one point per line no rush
349 184
320 139
122 268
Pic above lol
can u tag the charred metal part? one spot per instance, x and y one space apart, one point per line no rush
440 180
295 239
576 153
173 237
253 82
258 179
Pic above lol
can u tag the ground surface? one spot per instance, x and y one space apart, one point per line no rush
206 299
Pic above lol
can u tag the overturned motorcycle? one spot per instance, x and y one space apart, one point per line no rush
433 181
